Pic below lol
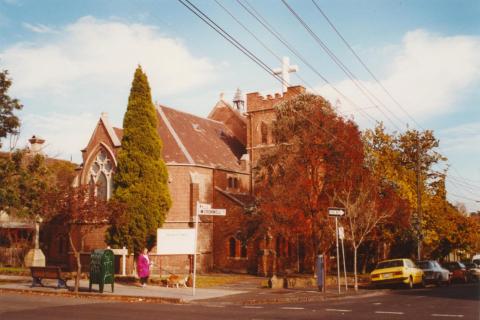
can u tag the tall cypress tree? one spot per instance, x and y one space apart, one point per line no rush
141 177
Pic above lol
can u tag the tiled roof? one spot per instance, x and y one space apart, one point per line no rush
205 142
189 139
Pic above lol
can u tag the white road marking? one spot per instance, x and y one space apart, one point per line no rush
214 306
447 315
338 310
252 307
377 303
389 312
292 308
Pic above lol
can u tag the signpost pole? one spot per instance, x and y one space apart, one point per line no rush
344 265
195 250
338 261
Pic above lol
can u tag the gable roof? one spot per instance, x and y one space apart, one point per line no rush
201 141
189 139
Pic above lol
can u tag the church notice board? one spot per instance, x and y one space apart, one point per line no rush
175 241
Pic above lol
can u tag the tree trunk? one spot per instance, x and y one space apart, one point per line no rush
78 261
355 276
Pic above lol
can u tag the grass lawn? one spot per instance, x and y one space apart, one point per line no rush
14 271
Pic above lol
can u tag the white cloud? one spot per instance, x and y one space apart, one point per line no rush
67 76
426 76
38 28
90 64
64 134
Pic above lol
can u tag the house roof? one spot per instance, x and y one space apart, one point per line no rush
189 139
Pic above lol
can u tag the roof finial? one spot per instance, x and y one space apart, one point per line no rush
238 101
222 95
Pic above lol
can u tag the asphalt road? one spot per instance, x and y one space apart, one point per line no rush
455 302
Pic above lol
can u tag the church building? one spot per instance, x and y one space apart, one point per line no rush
209 160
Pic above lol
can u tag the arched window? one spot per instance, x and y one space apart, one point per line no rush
232 243
264 132
101 177
102 187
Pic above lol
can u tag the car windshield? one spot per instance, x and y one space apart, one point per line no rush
476 261
390 264
424 265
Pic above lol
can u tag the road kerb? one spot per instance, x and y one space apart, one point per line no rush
93 295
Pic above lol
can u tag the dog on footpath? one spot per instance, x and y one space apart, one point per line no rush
174 280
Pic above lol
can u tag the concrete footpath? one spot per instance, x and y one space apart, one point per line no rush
247 292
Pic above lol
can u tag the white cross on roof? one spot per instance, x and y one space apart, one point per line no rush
284 72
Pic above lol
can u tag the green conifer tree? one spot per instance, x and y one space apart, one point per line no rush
141 178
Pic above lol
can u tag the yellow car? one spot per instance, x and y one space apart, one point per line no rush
397 271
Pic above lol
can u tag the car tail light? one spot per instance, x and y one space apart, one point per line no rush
397 273
374 276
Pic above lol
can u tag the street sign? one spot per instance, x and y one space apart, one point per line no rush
336 212
204 205
212 212
341 233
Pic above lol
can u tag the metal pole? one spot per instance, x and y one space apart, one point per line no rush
195 252
344 266
338 261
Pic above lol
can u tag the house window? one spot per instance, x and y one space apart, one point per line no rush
264 132
101 176
233 183
232 243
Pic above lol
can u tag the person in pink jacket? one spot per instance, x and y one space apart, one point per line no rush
143 267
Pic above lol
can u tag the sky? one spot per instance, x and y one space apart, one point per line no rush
72 60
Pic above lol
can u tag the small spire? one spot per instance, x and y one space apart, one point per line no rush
222 95
238 101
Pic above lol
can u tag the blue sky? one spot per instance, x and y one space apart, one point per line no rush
72 60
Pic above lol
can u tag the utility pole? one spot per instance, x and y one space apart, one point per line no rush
419 201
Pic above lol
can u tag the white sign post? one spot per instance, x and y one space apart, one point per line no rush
337 212
341 235
203 209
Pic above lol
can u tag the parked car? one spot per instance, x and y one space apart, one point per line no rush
473 271
397 271
476 259
434 273
458 271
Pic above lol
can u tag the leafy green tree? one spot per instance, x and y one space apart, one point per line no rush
9 123
141 178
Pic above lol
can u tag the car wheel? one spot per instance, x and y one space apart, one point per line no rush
439 281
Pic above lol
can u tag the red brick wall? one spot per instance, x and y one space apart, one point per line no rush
233 120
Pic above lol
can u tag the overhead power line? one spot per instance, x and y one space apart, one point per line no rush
369 71
279 59
199 13
360 86
364 64
249 54
257 16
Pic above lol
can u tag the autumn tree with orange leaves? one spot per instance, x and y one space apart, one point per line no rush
294 181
